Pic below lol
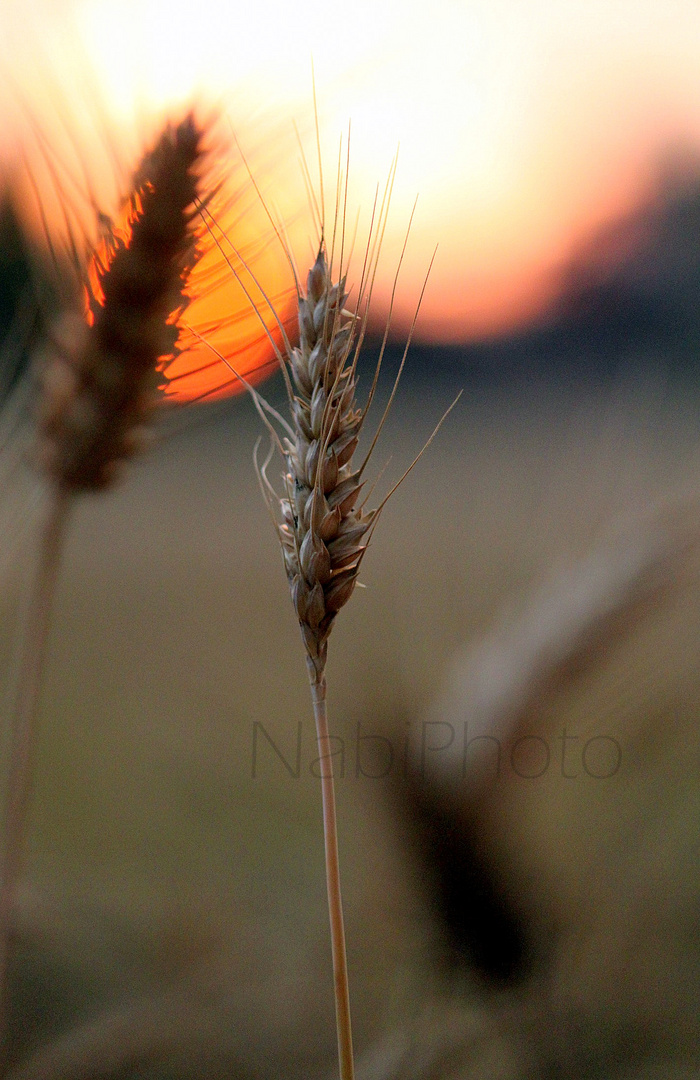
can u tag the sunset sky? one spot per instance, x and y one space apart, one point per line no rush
522 124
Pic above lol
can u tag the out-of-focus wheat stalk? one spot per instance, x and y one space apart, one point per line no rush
99 386
580 608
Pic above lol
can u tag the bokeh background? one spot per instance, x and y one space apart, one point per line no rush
529 132
555 150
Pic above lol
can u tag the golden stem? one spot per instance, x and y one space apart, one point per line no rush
335 905
23 736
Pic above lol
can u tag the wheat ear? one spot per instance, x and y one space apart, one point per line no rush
100 382
323 530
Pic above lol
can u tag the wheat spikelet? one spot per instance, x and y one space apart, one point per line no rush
101 378
323 533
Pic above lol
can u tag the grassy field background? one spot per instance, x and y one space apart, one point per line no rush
154 852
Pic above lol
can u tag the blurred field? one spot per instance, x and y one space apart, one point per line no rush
153 847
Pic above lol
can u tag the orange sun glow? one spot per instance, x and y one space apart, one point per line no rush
523 126
239 297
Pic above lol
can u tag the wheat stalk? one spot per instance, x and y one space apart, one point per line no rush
100 381
324 530
322 537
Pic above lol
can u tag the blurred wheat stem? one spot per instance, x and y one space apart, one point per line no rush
335 903
24 730
99 390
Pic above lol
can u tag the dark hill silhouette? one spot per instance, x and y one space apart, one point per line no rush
636 284
630 295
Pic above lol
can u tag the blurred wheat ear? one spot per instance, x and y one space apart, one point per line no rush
100 377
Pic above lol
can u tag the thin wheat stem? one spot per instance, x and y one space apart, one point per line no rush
98 390
24 732
335 904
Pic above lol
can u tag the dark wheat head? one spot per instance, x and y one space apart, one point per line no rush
102 375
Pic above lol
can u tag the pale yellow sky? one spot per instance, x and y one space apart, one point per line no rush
521 124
